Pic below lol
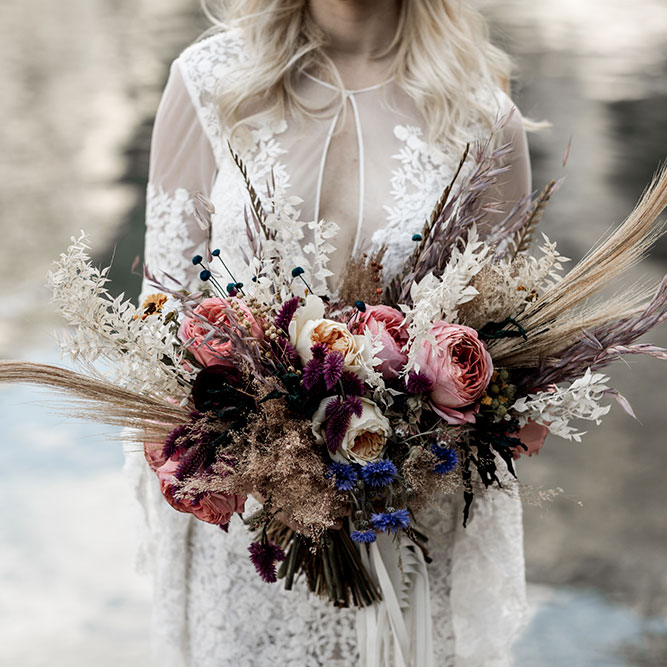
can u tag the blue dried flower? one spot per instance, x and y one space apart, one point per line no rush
364 536
379 473
297 271
360 306
231 289
416 237
391 522
205 275
216 252
448 459
345 475
197 259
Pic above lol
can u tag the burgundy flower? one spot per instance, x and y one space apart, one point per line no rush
286 313
207 391
264 556
332 369
418 383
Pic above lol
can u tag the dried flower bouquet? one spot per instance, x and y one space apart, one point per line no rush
347 413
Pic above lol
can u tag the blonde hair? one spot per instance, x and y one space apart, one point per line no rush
442 56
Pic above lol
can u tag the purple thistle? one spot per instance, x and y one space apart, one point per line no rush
379 473
286 313
264 556
312 373
345 475
448 459
339 414
333 369
418 383
352 384
364 536
391 521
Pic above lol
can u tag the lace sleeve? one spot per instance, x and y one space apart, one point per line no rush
181 164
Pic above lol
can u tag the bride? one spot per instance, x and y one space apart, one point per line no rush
361 108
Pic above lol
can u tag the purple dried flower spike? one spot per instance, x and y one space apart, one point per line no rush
418 383
332 370
264 556
339 413
352 384
286 313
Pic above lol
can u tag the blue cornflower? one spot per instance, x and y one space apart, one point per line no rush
448 459
345 475
379 473
364 536
391 521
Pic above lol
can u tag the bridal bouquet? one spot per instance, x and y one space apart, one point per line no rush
346 413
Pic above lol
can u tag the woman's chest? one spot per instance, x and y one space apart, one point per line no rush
375 177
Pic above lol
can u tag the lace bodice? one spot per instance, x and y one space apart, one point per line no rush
210 608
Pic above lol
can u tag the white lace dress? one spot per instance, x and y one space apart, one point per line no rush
210 608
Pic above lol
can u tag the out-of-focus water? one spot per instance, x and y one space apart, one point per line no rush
80 82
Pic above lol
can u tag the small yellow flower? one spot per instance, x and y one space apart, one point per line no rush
152 304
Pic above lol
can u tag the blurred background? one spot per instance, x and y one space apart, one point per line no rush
79 84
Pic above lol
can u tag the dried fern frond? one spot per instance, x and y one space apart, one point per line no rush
556 316
152 419
255 201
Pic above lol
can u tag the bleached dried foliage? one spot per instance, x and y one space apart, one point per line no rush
556 409
109 338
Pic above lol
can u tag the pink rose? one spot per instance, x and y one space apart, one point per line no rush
385 324
153 455
533 436
215 310
459 368
216 508
165 475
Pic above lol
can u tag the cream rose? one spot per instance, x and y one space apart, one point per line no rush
366 436
309 327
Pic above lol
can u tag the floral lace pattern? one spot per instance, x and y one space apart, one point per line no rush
210 608
170 235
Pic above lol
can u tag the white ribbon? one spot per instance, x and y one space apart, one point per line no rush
402 619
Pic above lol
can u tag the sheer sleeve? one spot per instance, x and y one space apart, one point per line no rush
516 183
181 164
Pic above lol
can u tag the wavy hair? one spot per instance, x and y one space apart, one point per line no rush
441 55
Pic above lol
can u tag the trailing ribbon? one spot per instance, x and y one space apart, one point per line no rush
397 631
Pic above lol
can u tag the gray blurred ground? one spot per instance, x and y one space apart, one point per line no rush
78 89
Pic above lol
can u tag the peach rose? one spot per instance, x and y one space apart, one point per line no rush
310 327
385 324
215 310
459 368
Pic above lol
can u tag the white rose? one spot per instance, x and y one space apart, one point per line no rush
366 436
309 327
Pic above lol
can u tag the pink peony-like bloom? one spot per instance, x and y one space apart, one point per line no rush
385 324
215 310
533 436
216 508
460 369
